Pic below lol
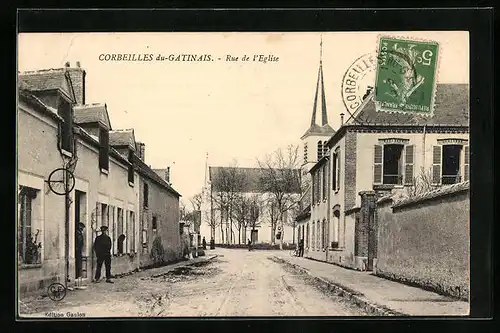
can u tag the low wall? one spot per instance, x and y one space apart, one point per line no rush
424 240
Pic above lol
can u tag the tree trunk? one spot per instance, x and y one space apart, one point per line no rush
239 235
221 230
282 232
293 233
244 235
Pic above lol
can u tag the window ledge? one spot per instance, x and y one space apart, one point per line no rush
66 153
104 171
338 249
30 266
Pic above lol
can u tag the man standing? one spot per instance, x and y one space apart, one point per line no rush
79 248
102 248
301 247
204 243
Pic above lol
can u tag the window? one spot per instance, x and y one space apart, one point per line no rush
131 166
392 162
104 149
305 152
320 150
324 171
447 164
336 228
334 171
146 194
29 240
154 224
65 111
112 229
104 215
132 231
337 171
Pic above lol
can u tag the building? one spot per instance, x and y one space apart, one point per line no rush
57 131
247 201
388 153
159 212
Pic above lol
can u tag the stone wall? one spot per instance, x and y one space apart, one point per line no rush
424 240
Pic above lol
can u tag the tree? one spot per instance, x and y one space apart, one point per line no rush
422 183
196 201
227 185
280 178
246 213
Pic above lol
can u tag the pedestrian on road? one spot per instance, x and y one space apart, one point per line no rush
249 245
79 248
204 243
102 248
301 247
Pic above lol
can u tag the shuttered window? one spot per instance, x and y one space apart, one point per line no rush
320 150
436 165
339 165
409 162
104 149
377 164
466 163
334 172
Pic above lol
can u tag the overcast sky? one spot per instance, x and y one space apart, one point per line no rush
232 110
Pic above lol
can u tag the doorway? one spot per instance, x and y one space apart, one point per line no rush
80 236
255 236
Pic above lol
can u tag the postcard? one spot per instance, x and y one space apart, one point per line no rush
243 174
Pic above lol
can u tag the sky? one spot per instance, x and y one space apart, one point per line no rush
232 110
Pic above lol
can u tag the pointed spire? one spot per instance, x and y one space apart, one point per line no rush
319 96
206 168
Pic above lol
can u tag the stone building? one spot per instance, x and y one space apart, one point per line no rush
386 153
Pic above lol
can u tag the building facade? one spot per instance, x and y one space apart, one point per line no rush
390 154
74 168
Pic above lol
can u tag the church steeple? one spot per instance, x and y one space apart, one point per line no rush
319 96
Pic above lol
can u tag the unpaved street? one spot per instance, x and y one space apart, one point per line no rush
236 283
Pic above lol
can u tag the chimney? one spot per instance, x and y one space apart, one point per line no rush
167 175
67 64
77 76
341 119
141 150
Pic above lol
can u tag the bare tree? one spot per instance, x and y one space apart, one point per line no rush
228 183
422 183
280 178
196 201
254 209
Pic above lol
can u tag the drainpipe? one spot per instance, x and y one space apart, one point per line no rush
66 227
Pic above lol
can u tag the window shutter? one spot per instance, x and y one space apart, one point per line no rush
436 165
338 170
409 162
466 163
377 164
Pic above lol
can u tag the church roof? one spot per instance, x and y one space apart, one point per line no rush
251 181
315 129
92 113
451 108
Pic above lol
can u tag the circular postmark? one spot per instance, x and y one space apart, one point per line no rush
358 81
56 291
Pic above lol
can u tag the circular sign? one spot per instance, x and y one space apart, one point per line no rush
358 81
56 291
61 181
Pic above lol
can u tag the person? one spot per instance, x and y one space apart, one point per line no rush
249 245
204 243
79 248
301 247
102 248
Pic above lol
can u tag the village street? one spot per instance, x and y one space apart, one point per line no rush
235 283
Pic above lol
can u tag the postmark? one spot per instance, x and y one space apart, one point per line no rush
56 291
358 81
406 75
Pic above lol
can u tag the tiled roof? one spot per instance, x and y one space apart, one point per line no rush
27 95
122 138
252 181
451 108
143 169
47 79
90 113
440 191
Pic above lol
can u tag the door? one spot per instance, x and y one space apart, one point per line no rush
255 236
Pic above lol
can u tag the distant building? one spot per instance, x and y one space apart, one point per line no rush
251 187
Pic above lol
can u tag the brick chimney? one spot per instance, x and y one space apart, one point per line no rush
141 147
77 75
167 175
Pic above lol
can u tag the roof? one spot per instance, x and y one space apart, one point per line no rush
26 95
440 191
315 129
451 107
321 161
48 79
92 113
123 137
252 178
304 214
144 170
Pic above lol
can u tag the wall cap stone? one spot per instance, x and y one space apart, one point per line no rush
439 192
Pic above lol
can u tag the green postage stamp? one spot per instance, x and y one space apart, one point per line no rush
406 75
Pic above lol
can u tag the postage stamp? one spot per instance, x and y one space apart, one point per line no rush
406 75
